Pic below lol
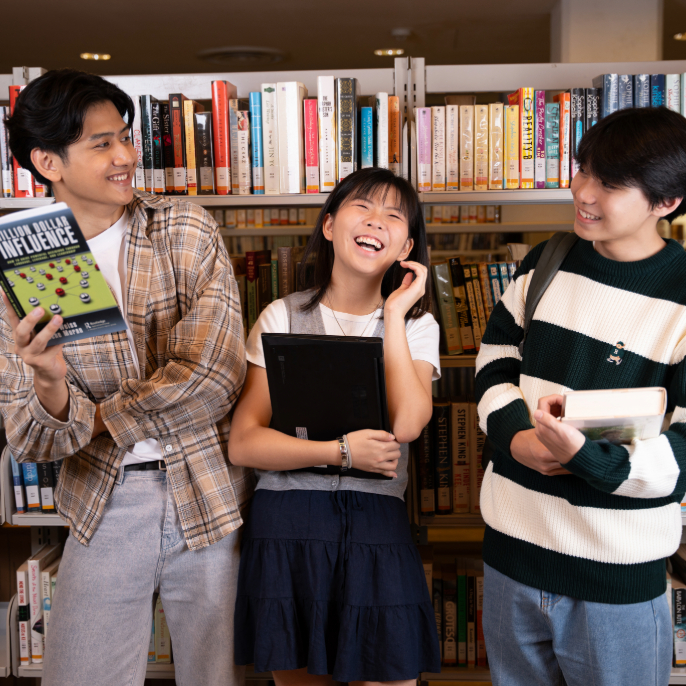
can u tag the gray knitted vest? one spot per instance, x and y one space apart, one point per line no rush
312 323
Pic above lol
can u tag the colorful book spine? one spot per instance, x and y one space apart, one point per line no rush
244 157
151 644
311 146
146 126
423 120
167 148
452 147
608 85
592 108
5 156
31 486
425 473
564 100
495 283
162 638
346 115
176 102
496 153
552 145
481 148
446 305
290 96
234 105
381 119
504 276
657 90
158 179
366 137
482 275
190 107
221 137
35 612
270 139
137 139
539 139
18 483
625 91
673 92
512 146
438 148
23 181
682 94
466 147
23 615
475 306
641 90
527 143
476 471
460 450
577 118
326 99
203 152
440 443
394 134
46 485
256 143
461 613
448 573
679 621
464 317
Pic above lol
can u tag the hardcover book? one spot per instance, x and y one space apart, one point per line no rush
466 147
641 90
440 445
446 305
18 483
45 261
326 96
311 147
366 137
539 138
464 317
527 143
270 140
438 148
190 108
222 92
158 179
625 91
552 145
449 613
256 143
452 147
512 146
381 120
423 120
203 152
608 85
346 123
495 146
244 156
673 92
290 96
565 138
460 450
31 486
592 108
394 134
5 156
176 101
576 129
167 148
657 90
425 473
146 126
481 148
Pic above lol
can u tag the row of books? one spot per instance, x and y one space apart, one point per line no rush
465 296
448 458
258 218
623 91
34 485
239 246
465 241
462 214
457 590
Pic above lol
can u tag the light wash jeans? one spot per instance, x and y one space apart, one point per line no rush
102 612
534 638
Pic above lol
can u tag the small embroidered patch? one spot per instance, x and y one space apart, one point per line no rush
617 353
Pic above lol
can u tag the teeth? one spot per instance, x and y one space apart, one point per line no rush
119 177
586 215
368 240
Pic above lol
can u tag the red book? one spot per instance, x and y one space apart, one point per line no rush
311 146
220 129
178 142
23 181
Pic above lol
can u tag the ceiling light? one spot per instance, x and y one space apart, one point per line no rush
242 54
95 56
390 52
680 36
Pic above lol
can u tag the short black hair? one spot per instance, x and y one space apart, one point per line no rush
642 148
317 261
50 111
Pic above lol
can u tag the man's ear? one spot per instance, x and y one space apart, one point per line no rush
47 164
666 207
327 227
409 244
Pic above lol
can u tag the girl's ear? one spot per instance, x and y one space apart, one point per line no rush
409 244
327 227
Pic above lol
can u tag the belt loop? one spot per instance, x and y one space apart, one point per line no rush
120 476
162 465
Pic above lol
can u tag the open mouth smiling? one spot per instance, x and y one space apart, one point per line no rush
369 243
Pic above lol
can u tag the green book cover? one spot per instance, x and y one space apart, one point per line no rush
275 279
461 614
552 145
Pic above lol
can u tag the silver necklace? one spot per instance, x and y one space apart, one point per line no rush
333 311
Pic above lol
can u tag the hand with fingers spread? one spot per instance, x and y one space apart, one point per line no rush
562 440
412 288
374 451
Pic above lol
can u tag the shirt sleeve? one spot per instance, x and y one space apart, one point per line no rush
273 319
423 339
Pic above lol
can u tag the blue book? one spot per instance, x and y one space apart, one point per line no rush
18 482
367 137
256 140
625 91
552 145
31 486
641 90
657 90
609 99
496 283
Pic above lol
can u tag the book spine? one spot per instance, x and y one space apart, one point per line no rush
286 273
437 598
381 111
256 143
495 146
452 147
592 108
481 148
471 619
475 307
449 615
504 276
679 621
18 483
657 90
251 279
203 150
146 126
366 137
466 147
23 181
394 134
221 137
564 100
485 283
460 450
151 644
326 98
158 180
438 148
46 485
461 615
35 612
527 115
189 136
346 99
167 148
682 94
464 318
673 92
289 104
264 285
625 92
275 279
178 142
641 90
46 600
233 139
552 145
137 139
495 283
440 443
244 172
5 156
425 473
270 139
423 121
31 486
56 471
577 121
512 146
162 639
23 617
539 137
481 658
476 472
446 303
311 146
609 84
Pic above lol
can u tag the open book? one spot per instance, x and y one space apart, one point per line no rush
616 415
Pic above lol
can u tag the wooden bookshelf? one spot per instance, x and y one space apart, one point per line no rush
458 360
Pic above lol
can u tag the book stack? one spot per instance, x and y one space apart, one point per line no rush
34 486
464 214
159 648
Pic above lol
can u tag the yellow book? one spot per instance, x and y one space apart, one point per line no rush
526 138
190 107
495 146
512 146
481 148
466 147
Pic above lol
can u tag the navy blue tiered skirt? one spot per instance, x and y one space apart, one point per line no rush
331 581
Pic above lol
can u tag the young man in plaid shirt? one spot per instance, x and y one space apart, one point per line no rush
139 416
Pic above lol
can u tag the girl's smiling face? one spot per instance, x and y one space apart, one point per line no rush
369 234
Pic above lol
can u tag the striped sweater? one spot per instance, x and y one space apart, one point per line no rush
602 533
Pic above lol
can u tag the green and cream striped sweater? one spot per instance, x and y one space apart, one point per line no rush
602 533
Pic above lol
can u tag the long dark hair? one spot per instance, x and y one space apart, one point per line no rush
317 261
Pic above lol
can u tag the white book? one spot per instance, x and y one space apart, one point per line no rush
438 148
23 613
137 137
381 112
326 113
673 92
616 415
404 157
46 593
414 170
452 147
162 640
234 106
270 139
682 94
45 556
244 160
289 108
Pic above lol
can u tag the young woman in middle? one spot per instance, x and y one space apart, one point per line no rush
331 586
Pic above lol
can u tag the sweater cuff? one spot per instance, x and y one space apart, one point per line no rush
505 423
590 462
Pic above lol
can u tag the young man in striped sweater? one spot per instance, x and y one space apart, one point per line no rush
578 532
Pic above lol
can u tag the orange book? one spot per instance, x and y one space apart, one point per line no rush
565 134
190 107
23 181
221 136
394 133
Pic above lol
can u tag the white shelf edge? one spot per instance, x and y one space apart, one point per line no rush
521 196
31 519
24 203
302 199
291 230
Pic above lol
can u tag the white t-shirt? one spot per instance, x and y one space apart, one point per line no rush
422 334
109 248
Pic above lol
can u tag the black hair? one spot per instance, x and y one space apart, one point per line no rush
50 111
317 261
642 148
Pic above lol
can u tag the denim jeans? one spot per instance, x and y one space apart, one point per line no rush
102 611
535 638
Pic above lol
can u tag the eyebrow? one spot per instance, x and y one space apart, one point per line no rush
99 136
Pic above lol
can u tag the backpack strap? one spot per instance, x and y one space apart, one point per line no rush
548 265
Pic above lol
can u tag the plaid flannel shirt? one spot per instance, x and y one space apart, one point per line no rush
184 312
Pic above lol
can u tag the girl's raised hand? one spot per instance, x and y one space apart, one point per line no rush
410 290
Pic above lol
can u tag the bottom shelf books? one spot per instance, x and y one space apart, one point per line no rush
159 650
